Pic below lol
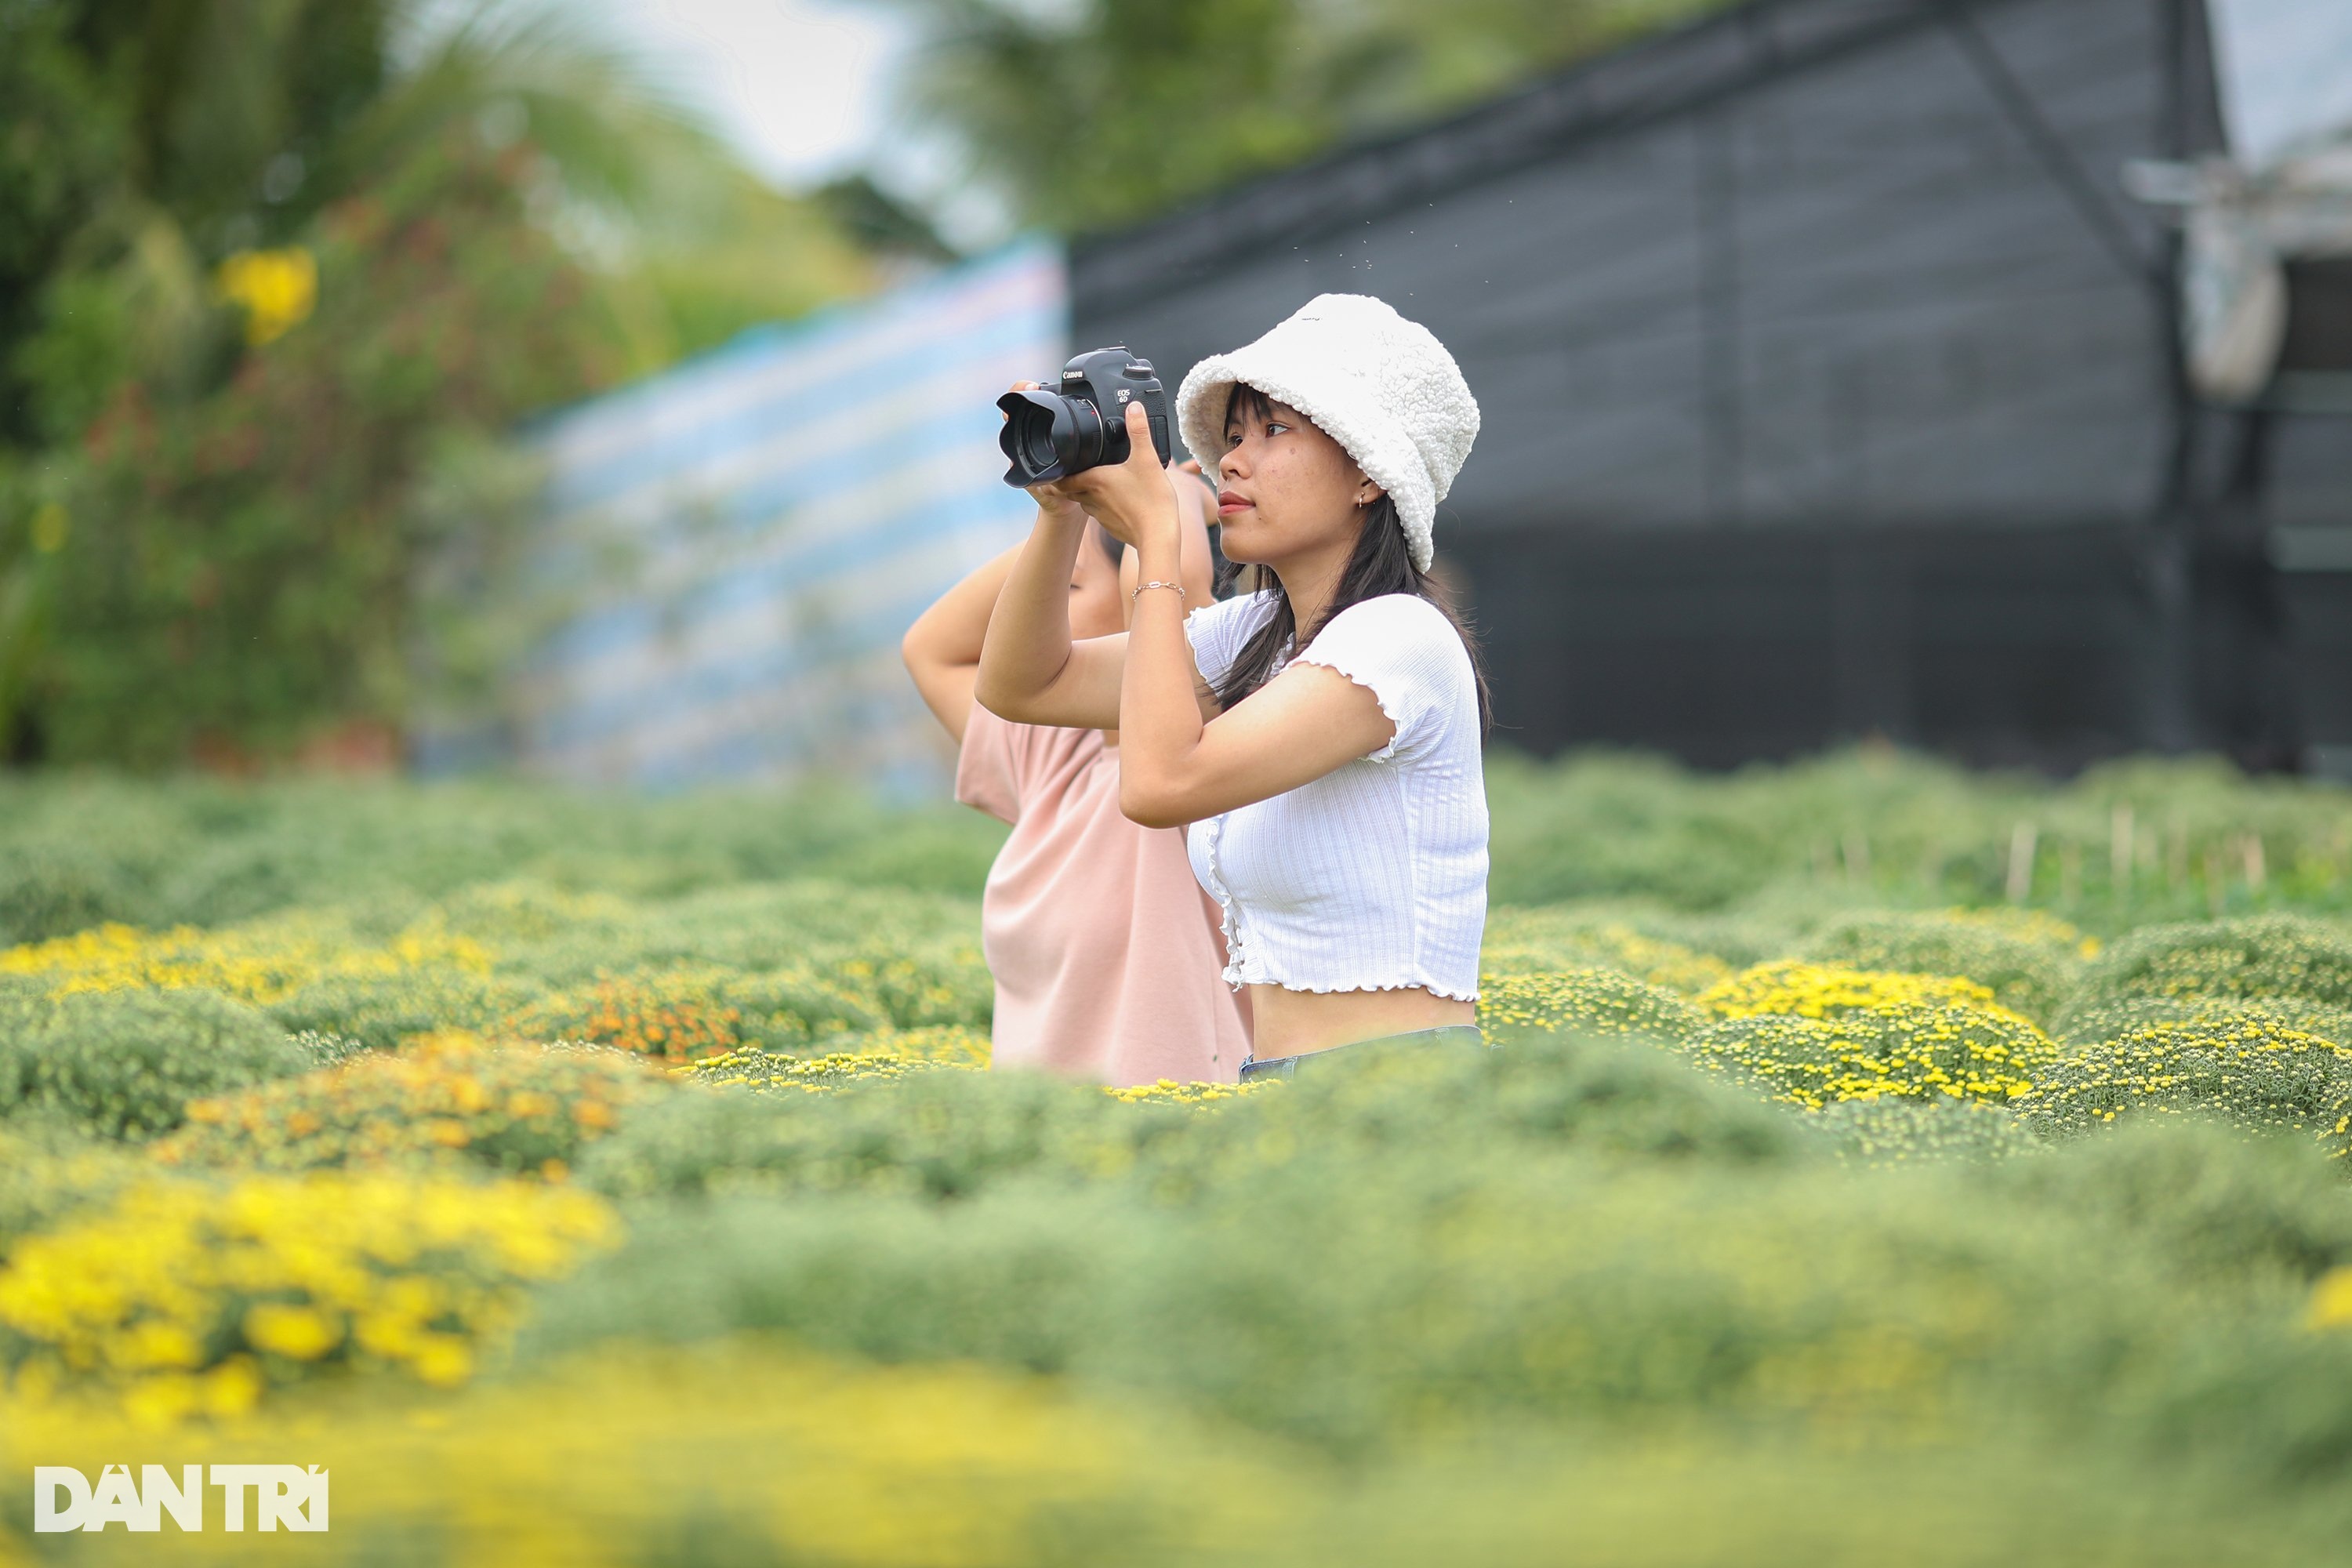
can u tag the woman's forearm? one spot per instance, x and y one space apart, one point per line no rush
1160 706
1027 648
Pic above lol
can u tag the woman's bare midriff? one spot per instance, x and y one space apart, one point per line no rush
1286 1023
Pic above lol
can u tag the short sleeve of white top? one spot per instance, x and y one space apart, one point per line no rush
1374 876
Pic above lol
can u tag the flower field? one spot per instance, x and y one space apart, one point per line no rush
1883 1164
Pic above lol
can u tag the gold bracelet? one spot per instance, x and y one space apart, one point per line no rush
1139 588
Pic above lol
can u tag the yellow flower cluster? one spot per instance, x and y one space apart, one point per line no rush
278 289
1538 941
1790 989
1582 1001
770 1071
523 1109
261 962
187 1298
2249 1070
2331 1301
1168 1091
1911 1049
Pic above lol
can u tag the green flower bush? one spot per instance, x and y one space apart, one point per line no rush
939 1134
2028 973
2251 1072
1541 941
1250 1261
518 1110
51 888
2092 1025
1904 1049
2247 959
1581 1001
1894 1130
125 1064
381 1011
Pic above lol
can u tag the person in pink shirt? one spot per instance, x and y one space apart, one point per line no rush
1107 954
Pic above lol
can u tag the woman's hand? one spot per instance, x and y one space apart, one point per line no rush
1131 500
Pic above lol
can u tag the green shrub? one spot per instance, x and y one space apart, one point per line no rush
50 888
2027 975
908 1128
1619 1100
2218 1209
938 1134
518 913
788 1009
2089 1025
748 929
1357 1298
49 1172
379 1012
2250 1072
1586 1002
2247 959
1897 1130
125 1064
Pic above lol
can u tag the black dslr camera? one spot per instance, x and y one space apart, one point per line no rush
1083 425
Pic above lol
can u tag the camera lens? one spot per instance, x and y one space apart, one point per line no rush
1082 448
1048 437
1036 438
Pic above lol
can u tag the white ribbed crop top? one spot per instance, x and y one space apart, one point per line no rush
1374 876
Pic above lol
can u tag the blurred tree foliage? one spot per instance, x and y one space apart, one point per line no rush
1090 113
273 270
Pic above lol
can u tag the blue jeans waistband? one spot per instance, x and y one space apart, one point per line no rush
1254 1069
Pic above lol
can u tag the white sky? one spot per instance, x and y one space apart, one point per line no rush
803 90
800 86
2286 71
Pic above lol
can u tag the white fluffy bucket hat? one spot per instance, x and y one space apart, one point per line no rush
1381 386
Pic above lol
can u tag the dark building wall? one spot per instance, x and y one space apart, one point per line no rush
2298 472
1827 377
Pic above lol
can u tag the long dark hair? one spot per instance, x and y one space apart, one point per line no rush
1381 564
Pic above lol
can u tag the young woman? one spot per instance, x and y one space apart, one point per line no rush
1105 951
1321 735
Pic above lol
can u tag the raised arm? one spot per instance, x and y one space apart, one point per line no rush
1031 673
1032 668
1180 760
942 648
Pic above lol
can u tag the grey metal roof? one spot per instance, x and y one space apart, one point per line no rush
1670 74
